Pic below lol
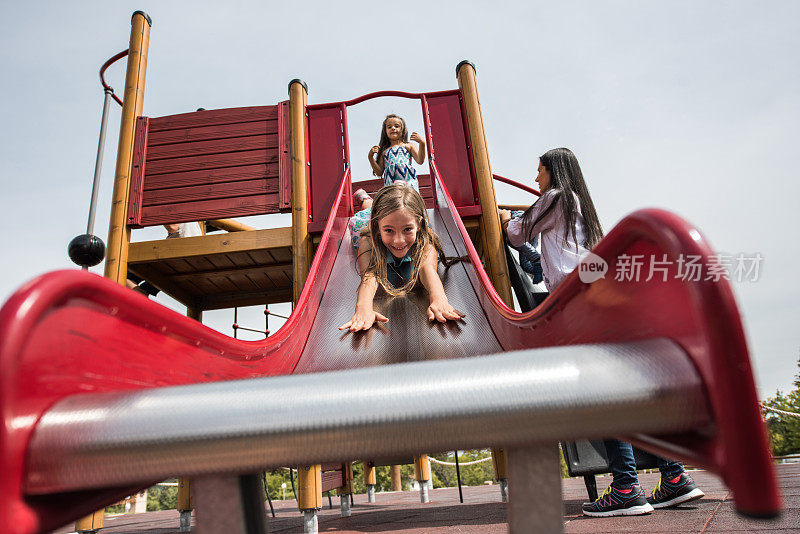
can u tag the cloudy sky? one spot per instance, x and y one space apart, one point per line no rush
689 106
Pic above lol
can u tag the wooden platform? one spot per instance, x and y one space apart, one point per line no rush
219 270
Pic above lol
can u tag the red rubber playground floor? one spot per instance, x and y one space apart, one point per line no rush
482 512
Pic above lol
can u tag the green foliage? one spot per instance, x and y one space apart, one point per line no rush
784 430
115 509
162 497
471 475
275 479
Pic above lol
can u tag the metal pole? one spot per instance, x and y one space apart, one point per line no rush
266 490
98 164
458 477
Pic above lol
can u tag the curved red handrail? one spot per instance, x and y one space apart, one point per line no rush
107 64
378 94
516 184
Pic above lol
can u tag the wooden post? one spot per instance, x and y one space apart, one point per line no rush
185 504
500 464
370 477
397 484
301 244
491 232
119 235
91 522
422 468
309 487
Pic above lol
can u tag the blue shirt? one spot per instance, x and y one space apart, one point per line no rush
398 271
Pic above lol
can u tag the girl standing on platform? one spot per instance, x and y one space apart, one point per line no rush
564 216
393 163
397 250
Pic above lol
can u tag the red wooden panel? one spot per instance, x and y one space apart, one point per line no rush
333 479
284 157
211 176
326 154
193 163
137 171
450 145
213 146
209 192
204 133
210 209
213 117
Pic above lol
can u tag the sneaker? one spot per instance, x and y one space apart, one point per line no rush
615 502
672 493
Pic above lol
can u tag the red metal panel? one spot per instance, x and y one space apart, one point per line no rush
213 118
450 145
137 171
284 158
75 332
327 156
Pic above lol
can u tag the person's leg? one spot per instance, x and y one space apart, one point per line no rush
622 463
674 487
623 496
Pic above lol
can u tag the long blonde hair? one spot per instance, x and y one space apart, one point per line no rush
388 200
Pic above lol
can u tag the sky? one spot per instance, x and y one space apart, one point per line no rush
690 106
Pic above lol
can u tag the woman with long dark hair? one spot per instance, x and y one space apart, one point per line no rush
564 216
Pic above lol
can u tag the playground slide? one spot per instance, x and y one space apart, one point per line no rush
72 332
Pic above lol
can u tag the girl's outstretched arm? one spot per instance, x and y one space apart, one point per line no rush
417 154
377 166
440 308
364 316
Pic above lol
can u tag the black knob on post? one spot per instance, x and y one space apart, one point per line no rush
87 250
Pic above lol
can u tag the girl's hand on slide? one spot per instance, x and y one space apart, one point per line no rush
363 320
442 311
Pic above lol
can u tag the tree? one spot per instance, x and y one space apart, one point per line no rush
784 430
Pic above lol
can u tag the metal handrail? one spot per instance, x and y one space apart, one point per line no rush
516 184
107 64
515 398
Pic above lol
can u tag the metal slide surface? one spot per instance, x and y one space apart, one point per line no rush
72 332
408 336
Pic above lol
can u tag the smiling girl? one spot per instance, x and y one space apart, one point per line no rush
394 252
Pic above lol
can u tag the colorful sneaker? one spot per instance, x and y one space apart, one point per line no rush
615 502
674 492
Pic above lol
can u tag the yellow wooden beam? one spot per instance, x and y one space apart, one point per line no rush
301 244
491 232
119 235
230 225
164 249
